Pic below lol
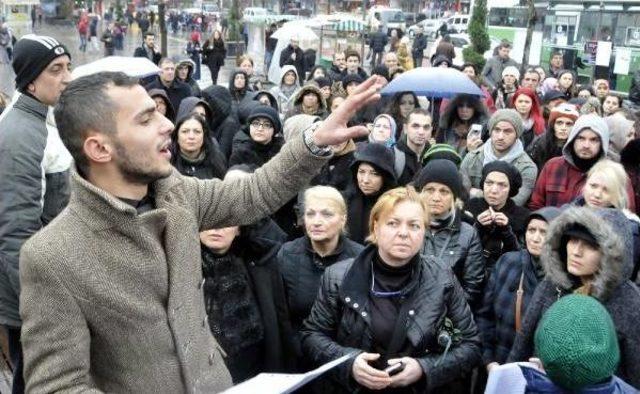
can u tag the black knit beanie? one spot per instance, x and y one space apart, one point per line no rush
515 179
440 171
32 54
263 111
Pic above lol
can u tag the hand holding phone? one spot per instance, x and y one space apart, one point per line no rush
395 368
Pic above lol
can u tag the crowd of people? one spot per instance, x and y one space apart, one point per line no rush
187 239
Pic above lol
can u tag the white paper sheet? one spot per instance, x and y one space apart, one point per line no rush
623 61
603 54
507 379
280 383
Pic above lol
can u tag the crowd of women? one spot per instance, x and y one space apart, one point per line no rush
393 252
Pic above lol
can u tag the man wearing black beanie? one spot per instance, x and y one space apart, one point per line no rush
34 166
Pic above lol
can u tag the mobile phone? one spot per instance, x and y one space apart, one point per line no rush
475 131
395 368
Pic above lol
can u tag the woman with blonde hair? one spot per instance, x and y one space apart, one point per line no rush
303 261
395 308
606 187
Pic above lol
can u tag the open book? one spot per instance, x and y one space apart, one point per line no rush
508 379
272 383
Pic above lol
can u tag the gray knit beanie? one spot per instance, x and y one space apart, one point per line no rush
507 115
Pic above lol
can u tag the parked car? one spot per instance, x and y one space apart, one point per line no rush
461 41
430 27
411 18
458 23
391 18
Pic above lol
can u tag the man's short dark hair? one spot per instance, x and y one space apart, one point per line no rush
555 53
149 33
418 111
165 60
504 44
85 105
351 53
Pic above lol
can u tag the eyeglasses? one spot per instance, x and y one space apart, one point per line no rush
261 125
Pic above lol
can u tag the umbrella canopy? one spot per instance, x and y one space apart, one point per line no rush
290 30
137 67
433 82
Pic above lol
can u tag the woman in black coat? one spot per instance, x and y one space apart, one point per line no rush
336 171
497 318
372 174
303 261
499 221
244 298
214 52
194 152
391 306
260 141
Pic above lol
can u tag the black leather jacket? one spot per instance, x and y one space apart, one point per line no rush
340 323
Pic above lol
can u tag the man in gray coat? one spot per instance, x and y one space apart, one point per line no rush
34 169
112 289
492 71
505 128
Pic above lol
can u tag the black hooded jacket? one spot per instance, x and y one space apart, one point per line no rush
358 204
224 123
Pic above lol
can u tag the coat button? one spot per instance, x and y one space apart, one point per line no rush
411 313
364 314
347 299
356 305
211 356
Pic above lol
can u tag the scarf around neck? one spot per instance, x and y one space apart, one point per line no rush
489 155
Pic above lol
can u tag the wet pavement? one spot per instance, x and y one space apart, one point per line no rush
67 35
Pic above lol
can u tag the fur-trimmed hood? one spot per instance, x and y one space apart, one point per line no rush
611 230
310 89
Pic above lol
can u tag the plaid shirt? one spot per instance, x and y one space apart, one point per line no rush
560 182
496 317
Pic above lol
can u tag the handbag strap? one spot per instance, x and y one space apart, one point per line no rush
519 295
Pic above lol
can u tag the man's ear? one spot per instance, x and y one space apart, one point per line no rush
98 148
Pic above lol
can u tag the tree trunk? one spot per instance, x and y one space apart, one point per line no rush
531 21
163 28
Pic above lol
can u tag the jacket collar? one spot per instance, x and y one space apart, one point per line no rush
28 103
101 210
338 250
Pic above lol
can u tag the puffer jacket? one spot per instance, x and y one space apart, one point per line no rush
285 101
340 323
610 285
301 269
458 247
34 188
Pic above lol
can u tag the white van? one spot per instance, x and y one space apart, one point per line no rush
391 18
458 23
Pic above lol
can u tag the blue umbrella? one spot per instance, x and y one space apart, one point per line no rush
433 82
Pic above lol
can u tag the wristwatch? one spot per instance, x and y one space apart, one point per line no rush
316 150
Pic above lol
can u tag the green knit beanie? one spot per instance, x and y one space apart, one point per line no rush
441 151
577 343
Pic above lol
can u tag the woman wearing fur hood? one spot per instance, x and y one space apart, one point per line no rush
588 252
308 100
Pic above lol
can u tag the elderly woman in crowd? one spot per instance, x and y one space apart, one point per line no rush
391 306
587 252
303 261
